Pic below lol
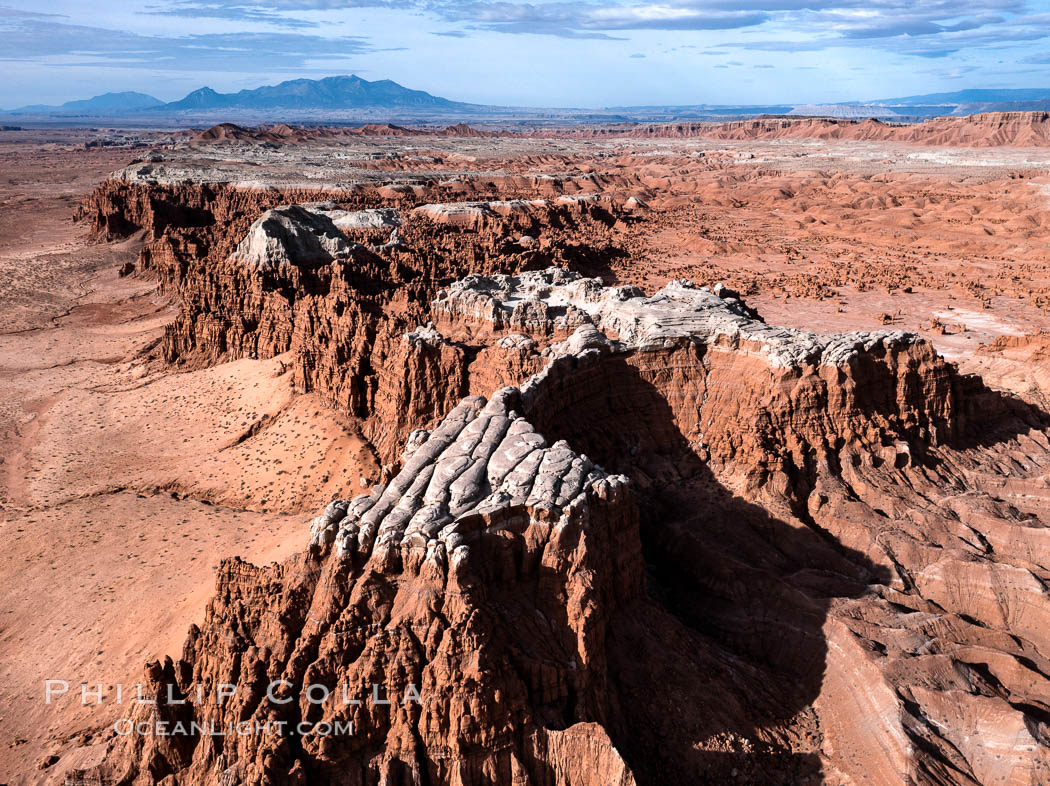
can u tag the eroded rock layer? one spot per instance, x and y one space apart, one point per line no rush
670 544
337 280
991 129
474 578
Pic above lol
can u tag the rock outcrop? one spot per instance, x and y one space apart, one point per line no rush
992 129
671 544
287 238
336 280
1020 364
473 592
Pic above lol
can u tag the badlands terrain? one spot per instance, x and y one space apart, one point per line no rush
661 455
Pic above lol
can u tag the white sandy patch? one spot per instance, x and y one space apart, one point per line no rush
982 321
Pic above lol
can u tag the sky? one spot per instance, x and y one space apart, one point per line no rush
553 54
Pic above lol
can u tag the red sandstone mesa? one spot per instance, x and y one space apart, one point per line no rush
815 600
994 129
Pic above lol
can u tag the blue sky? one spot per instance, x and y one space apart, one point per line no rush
578 54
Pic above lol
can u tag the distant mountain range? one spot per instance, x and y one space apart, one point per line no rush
353 99
334 92
969 97
962 102
911 108
107 102
331 93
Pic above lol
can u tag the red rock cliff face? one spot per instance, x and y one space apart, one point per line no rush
806 570
486 594
343 313
992 129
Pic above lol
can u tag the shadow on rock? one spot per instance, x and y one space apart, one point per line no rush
714 673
